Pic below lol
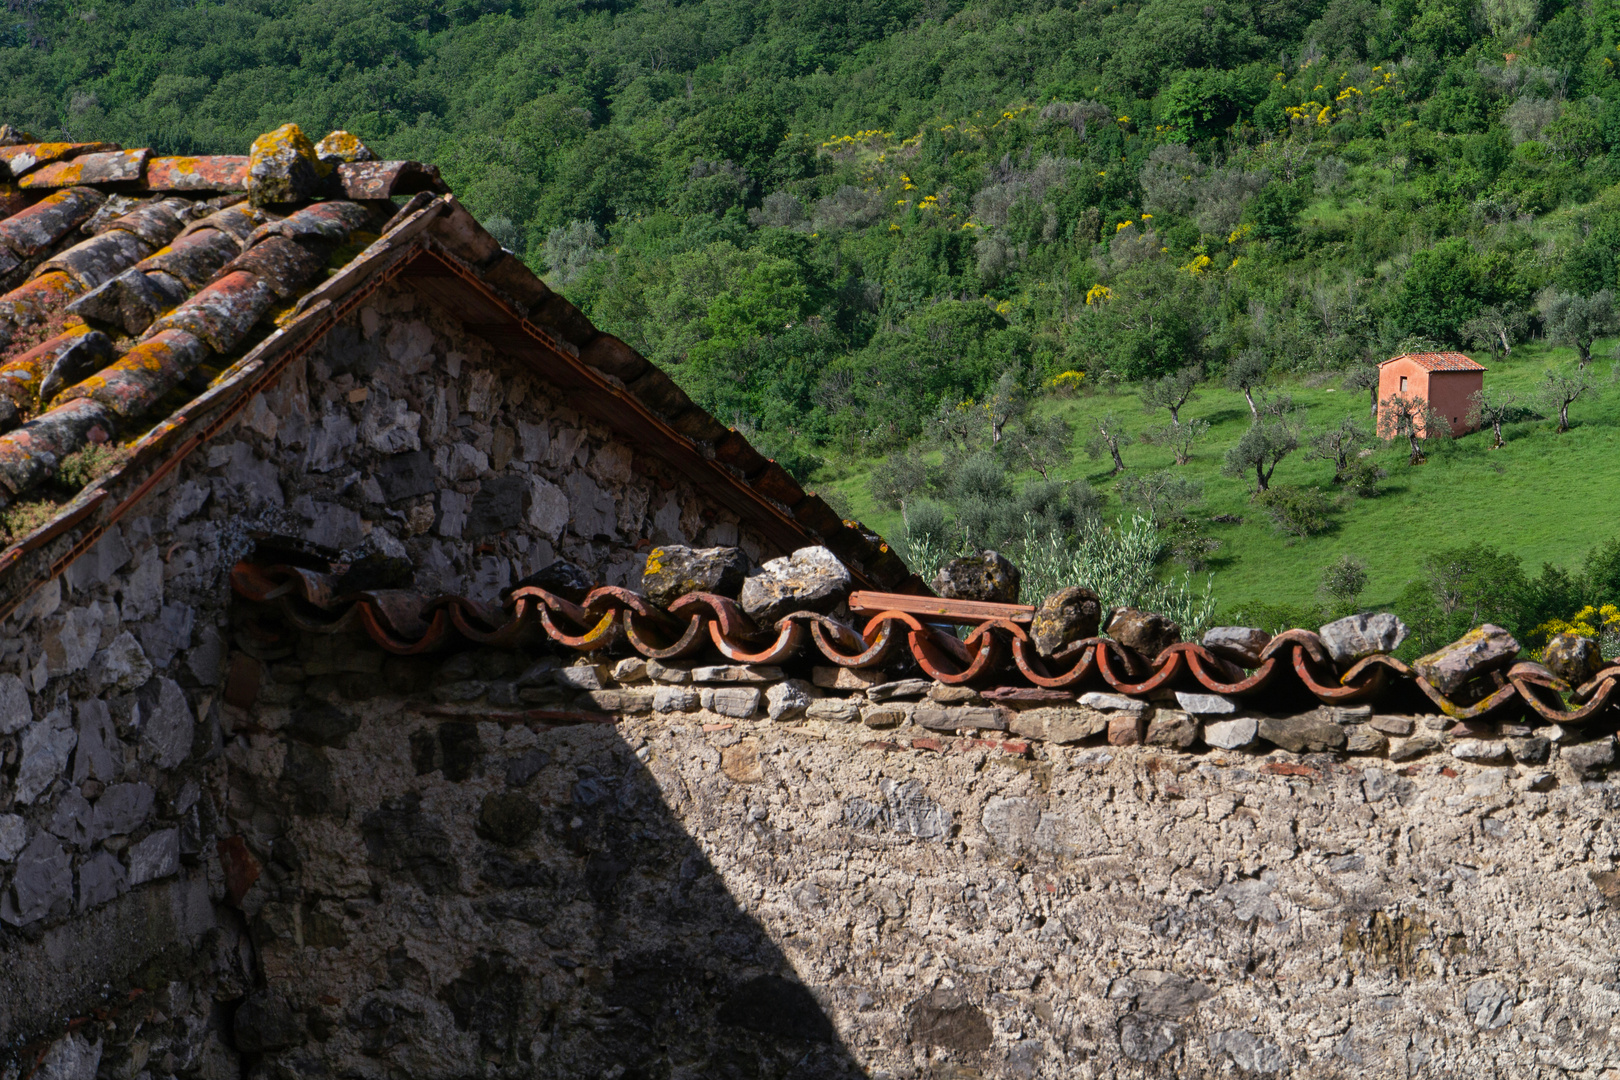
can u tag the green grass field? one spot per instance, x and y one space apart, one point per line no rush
1544 497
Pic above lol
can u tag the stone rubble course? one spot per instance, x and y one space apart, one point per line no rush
987 576
810 579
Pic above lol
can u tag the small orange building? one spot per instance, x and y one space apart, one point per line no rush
1445 380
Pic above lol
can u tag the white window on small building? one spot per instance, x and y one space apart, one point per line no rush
1403 384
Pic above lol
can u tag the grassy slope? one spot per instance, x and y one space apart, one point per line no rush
1543 497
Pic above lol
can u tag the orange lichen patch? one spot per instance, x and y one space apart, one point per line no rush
47 221
143 375
117 167
219 173
20 378
34 301
19 159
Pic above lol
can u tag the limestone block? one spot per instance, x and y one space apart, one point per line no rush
664 673
1361 635
1127 728
670 699
1481 751
1239 644
1146 632
838 710
167 726
1096 700
622 701
810 579
961 717
13 834
548 510
885 716
1363 739
1206 704
737 702
582 676
903 688
1063 724
71 643
122 809
122 665
843 678
1399 726
787 700
630 670
1302 734
1415 747
1588 759
1232 734
41 885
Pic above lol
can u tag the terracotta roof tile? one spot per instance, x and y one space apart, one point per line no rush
123 273
1440 361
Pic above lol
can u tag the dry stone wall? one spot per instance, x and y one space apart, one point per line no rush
752 874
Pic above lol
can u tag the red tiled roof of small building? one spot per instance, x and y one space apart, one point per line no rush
145 299
1439 361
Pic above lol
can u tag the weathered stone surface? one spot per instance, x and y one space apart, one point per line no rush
1127 728
1356 636
1248 1053
885 716
1146 632
903 688
1239 644
1302 734
838 710
1232 734
1096 700
737 673
1066 616
946 694
101 878
508 818
1572 658
988 577
787 700
1415 747
673 571
1363 739
264 1022
15 710
843 678
1400 726
1059 725
735 701
582 676
1172 728
810 579
1531 751
1147 1038
41 885
1489 1004
741 762
71 1058
122 809
1481 751
1206 704
1483 649
1589 759
45 748
283 168
13 835
73 641
167 726
622 701
665 673
122 665
960 717
670 699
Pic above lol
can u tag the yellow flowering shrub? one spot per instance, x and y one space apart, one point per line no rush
1099 294
1066 384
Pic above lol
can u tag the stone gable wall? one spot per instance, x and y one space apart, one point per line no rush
398 435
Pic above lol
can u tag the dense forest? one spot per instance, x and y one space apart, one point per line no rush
893 239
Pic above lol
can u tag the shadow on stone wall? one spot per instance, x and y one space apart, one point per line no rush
535 906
